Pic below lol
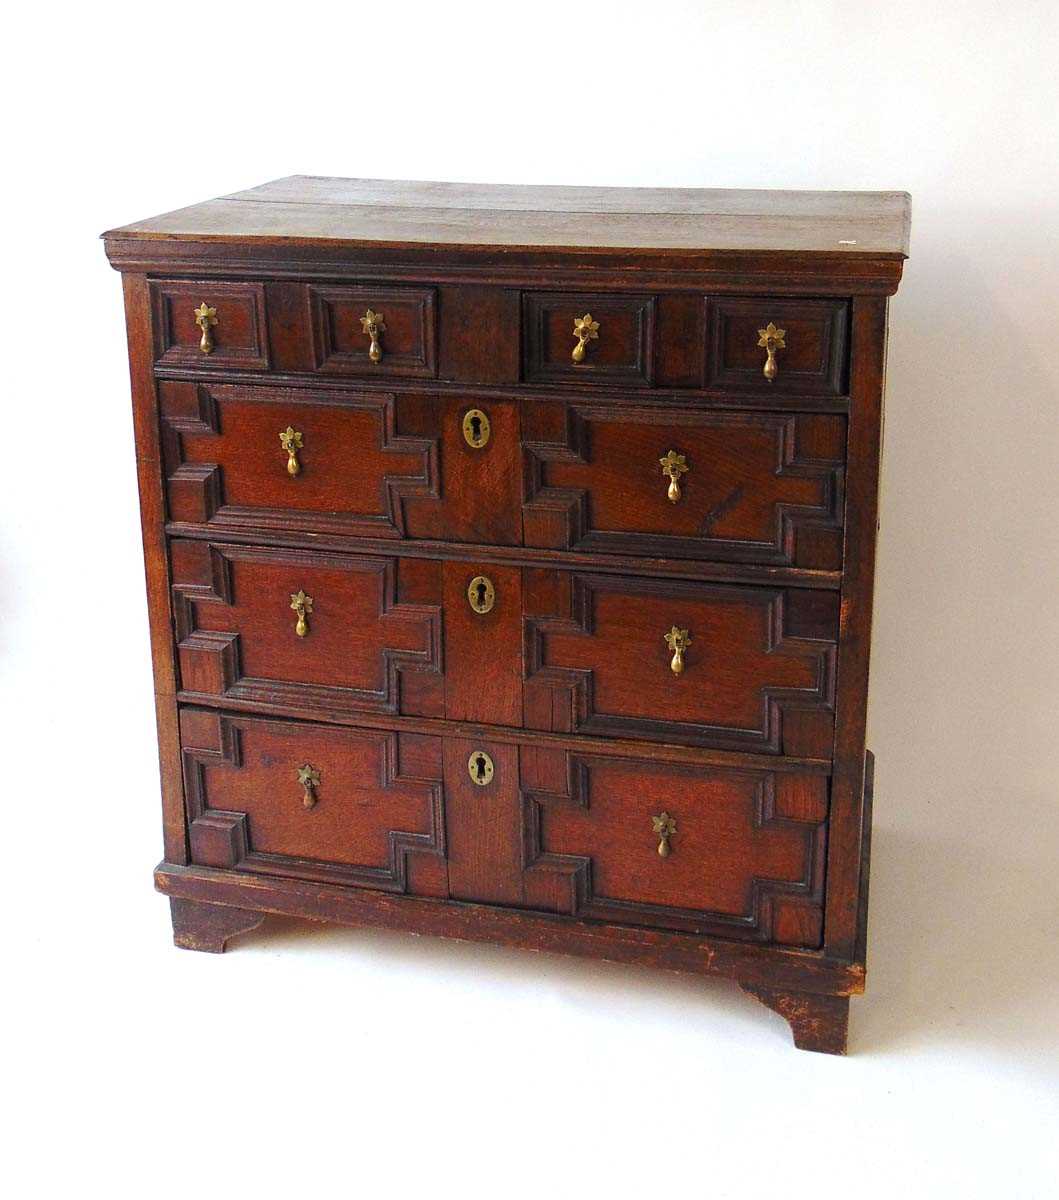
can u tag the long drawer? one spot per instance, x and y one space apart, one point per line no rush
593 836
620 478
303 632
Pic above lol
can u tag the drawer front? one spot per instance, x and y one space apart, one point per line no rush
714 665
362 808
357 464
306 632
741 487
580 338
701 849
782 346
374 331
210 324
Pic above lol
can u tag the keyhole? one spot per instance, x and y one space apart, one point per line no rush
475 428
480 768
481 594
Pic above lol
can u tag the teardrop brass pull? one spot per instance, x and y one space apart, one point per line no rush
291 441
678 640
771 339
585 330
674 465
664 826
205 319
373 326
302 606
309 778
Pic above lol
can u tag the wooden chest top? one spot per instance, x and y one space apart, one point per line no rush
698 224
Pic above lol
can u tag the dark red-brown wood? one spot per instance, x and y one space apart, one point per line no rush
755 752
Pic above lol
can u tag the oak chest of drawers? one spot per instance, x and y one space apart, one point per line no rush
509 558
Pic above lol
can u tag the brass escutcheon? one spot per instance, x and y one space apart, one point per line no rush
770 339
664 826
585 330
309 778
674 465
373 326
678 640
205 319
481 594
476 428
291 441
302 606
480 768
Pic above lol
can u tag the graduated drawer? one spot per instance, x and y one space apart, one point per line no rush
688 483
308 633
584 835
359 807
744 668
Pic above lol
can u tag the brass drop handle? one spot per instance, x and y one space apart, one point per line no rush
302 606
309 778
674 465
373 326
585 330
664 826
205 319
291 441
678 640
771 339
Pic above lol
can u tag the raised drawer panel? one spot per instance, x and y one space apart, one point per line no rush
618 341
363 808
399 340
350 463
211 324
742 851
810 361
369 640
704 484
290 459
755 673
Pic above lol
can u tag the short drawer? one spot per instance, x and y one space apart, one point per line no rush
685 483
783 346
306 632
210 324
745 668
356 807
579 338
374 331
736 853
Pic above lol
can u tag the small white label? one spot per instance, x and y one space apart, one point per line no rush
847 241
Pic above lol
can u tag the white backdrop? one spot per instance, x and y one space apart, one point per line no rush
346 1062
